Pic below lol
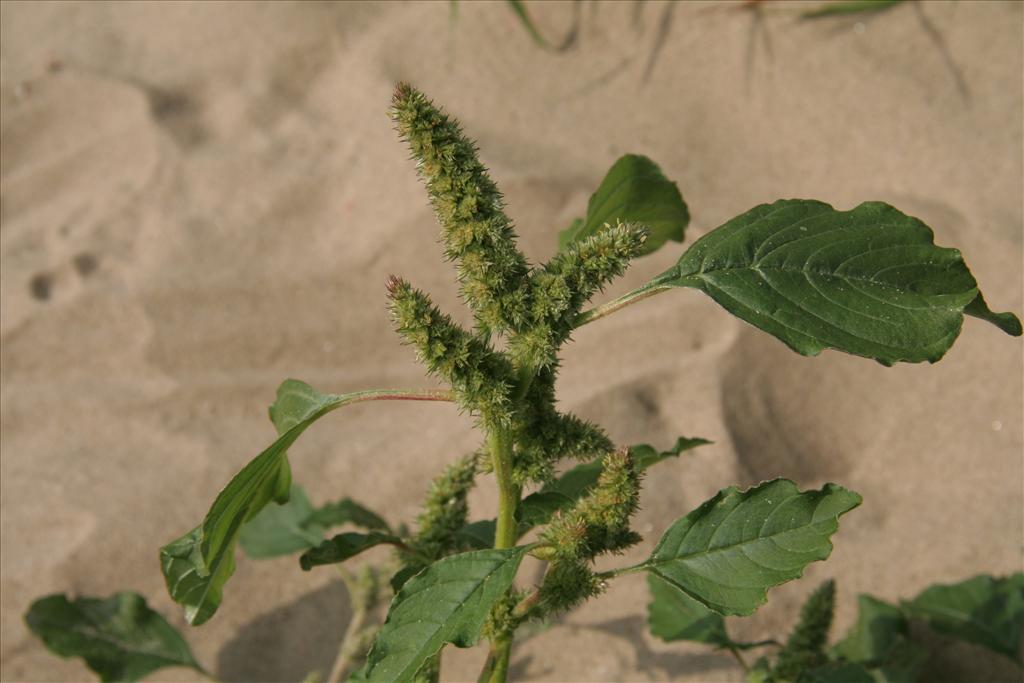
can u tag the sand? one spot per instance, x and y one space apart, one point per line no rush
200 200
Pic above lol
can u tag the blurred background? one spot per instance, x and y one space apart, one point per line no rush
200 200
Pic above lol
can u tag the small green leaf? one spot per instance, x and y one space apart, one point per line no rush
448 602
403 575
537 508
296 525
120 637
728 552
645 456
849 7
838 672
673 615
347 511
869 281
902 663
879 625
634 191
282 529
983 610
478 535
197 565
342 547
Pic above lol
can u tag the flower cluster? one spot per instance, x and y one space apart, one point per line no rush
445 511
480 377
474 228
805 647
597 524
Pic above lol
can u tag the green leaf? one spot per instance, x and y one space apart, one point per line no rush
868 281
634 191
538 508
197 565
282 529
296 525
120 637
478 535
342 547
645 456
840 672
849 7
1007 322
903 663
728 552
983 610
879 626
347 511
189 583
448 602
403 575
673 615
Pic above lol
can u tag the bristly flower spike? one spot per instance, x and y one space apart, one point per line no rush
805 648
475 230
559 290
478 375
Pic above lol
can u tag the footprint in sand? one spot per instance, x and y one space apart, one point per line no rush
806 419
46 284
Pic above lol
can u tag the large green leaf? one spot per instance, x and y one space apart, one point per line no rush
634 191
120 637
537 508
448 602
197 565
728 552
343 547
983 610
869 281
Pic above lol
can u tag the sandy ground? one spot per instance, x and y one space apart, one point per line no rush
200 200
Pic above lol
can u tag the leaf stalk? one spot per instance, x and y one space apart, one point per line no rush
655 286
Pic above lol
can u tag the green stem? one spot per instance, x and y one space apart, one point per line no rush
739 658
348 649
506 534
485 673
658 284
501 653
399 395
508 493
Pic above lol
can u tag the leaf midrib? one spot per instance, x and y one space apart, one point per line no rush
653 563
761 270
91 631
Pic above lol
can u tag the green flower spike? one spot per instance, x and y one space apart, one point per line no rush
479 376
474 228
